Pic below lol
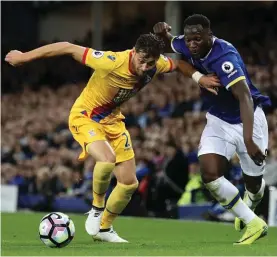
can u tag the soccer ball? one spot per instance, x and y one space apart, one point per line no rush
56 229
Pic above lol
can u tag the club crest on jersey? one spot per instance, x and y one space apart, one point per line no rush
227 67
111 57
97 54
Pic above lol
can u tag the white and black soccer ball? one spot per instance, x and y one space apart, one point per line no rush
56 229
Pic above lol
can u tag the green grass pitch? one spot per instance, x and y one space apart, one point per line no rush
146 236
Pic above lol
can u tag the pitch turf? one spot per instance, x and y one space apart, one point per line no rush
146 236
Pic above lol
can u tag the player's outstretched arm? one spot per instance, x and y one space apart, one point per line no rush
241 91
16 57
209 82
162 29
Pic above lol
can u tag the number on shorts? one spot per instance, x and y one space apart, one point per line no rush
127 140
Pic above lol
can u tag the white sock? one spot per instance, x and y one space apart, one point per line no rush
252 200
228 196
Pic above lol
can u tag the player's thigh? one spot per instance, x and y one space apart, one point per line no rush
122 146
260 137
101 151
125 172
91 138
215 151
217 138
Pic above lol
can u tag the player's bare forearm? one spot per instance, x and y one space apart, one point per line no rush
16 57
167 37
185 68
56 49
241 91
209 82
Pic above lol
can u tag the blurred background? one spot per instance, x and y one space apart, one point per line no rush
39 167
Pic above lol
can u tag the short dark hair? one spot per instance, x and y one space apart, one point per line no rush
150 44
196 19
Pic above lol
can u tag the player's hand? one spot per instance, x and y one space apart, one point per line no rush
255 152
210 82
161 28
15 58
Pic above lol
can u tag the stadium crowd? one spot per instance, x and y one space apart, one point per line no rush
165 121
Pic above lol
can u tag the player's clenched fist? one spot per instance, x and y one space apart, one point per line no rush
161 28
14 58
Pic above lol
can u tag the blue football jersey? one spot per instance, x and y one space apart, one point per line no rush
224 61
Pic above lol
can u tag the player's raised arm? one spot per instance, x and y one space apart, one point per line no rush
16 57
241 91
162 29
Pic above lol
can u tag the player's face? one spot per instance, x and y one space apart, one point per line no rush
143 63
198 40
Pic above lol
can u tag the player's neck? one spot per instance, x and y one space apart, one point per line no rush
204 55
208 50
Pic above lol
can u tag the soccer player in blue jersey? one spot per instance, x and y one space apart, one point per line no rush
236 122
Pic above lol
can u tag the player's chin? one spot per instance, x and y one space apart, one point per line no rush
141 73
195 55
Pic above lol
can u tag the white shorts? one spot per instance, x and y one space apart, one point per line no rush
226 139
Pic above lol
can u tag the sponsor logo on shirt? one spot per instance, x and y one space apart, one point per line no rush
233 73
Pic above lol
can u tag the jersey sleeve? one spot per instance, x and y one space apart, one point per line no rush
164 64
176 44
228 70
99 59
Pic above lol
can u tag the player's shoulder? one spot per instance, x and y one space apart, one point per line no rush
179 38
163 59
103 56
178 45
224 45
119 58
221 48
164 64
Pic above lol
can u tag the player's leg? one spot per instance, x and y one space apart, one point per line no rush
91 137
253 174
104 156
213 166
255 187
217 146
254 192
121 195
125 172
127 184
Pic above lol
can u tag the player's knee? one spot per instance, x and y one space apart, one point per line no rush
130 181
212 167
128 189
208 175
253 184
253 187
